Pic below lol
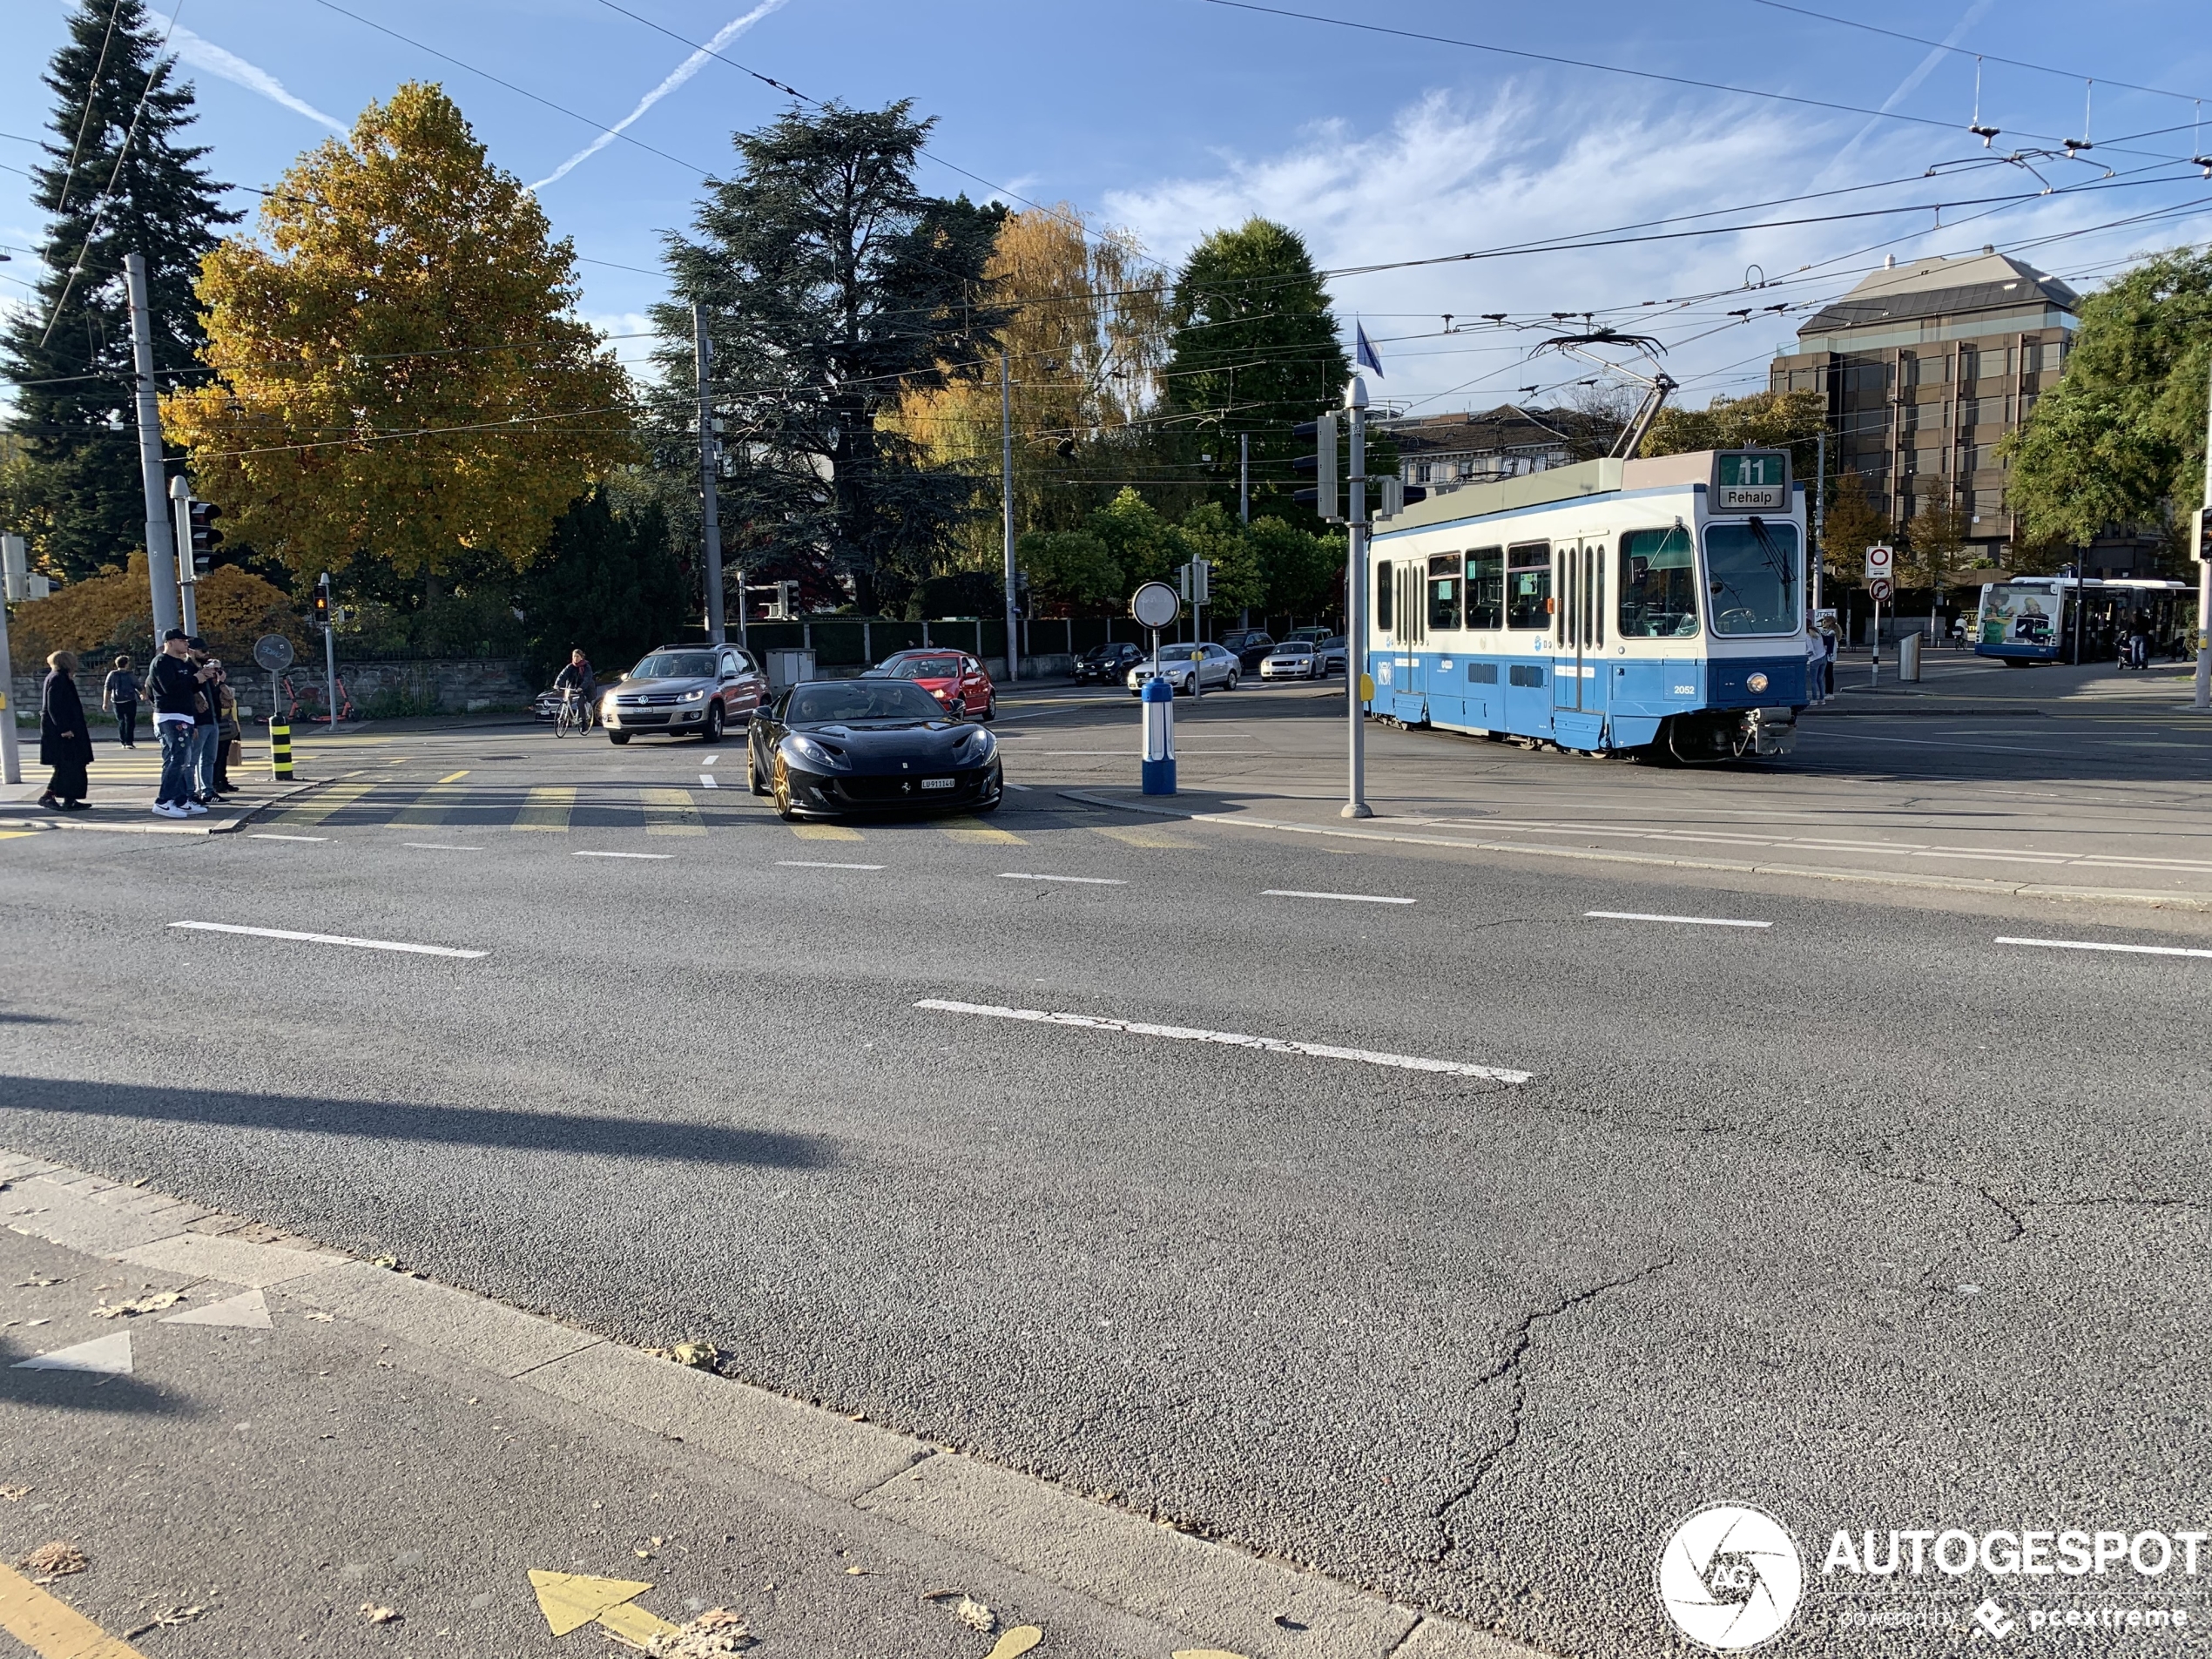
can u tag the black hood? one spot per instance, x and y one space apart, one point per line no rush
882 746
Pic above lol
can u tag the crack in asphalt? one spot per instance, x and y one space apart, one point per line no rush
1507 1369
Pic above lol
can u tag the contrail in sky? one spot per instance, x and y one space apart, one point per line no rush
1910 82
202 53
677 76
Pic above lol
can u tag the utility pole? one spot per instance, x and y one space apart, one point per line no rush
710 508
1355 606
2204 579
1243 478
188 566
161 546
1006 494
329 650
1820 521
11 755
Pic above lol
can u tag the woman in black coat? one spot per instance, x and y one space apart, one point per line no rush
65 740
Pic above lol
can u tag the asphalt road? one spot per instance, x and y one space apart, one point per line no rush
1860 1215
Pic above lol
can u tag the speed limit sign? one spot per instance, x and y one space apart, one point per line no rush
1879 588
1880 562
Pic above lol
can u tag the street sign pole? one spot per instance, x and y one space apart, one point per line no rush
11 755
1154 605
1355 631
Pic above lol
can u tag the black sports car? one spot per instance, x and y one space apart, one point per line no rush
833 746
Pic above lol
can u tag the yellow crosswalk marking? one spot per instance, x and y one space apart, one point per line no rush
967 829
16 835
429 808
547 809
51 1629
825 833
315 808
454 777
670 812
1134 837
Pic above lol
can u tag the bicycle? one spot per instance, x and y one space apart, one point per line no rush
575 718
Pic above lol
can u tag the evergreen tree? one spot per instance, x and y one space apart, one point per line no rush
1256 351
80 494
834 287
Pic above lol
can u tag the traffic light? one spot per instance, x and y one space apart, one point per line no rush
1325 498
1395 496
2201 544
783 600
322 602
203 534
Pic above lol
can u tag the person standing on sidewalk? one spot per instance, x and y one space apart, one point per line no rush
120 697
226 729
65 740
174 685
207 723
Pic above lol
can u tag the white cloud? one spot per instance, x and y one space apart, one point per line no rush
202 53
676 78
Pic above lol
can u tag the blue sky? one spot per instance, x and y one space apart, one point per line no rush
1172 117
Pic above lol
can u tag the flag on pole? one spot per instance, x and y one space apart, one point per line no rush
1364 349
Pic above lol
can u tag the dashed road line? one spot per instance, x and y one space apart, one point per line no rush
327 939
1079 881
264 835
1347 898
2130 950
625 855
441 847
1232 1039
821 864
1687 921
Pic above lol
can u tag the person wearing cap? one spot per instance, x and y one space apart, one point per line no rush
207 723
174 684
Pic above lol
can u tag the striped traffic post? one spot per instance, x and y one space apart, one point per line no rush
280 750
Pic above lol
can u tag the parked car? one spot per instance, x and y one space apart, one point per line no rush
1249 647
1330 654
1188 668
875 744
1312 636
684 690
954 678
1106 664
1294 659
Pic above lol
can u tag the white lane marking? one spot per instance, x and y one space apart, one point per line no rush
264 835
708 760
818 863
2132 950
327 939
1688 921
1348 898
624 855
707 781
441 847
1081 880
1235 1040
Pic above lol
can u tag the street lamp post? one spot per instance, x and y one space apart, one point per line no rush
1355 619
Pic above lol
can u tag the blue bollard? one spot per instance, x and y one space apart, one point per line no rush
1158 698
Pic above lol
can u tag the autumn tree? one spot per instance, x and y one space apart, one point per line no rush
115 178
834 287
400 373
1791 421
1084 331
1936 546
1854 524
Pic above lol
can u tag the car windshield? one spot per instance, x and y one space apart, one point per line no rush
923 668
1751 569
1295 648
848 700
676 665
1179 653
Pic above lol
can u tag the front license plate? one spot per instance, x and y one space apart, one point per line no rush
938 783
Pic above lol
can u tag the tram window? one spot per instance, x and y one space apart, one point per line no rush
1658 584
1486 588
1752 568
1382 597
1528 586
1444 591
1482 673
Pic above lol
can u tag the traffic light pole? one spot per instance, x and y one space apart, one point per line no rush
2204 580
1006 496
161 549
329 651
1355 608
710 507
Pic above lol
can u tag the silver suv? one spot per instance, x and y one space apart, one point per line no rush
684 690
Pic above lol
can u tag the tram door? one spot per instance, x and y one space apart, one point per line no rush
1578 640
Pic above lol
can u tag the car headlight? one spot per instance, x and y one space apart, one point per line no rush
811 751
979 748
692 697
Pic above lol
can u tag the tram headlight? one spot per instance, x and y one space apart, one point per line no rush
1757 683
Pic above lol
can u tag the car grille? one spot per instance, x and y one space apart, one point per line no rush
630 716
661 700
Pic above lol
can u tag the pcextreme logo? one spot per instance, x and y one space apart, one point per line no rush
1730 1577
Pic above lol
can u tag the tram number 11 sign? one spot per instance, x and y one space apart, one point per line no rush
1881 563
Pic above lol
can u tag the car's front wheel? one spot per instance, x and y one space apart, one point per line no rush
1232 686
781 789
617 737
713 731
991 706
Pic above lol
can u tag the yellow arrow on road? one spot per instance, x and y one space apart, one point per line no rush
570 1601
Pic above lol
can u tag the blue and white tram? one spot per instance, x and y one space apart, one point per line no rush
1655 605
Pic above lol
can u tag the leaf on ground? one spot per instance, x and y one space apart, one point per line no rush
376 1614
975 1615
320 1317
15 1495
166 1619
700 1356
57 1560
716 1631
135 1305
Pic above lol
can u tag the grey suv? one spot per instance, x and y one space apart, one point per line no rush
684 690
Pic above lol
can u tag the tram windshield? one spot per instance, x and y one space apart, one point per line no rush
1752 570
1658 584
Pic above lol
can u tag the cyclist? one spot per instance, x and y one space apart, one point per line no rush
579 681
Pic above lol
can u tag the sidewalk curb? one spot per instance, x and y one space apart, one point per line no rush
228 826
1264 1608
1731 867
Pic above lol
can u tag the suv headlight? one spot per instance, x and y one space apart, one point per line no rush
692 697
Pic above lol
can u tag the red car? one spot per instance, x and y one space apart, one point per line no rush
953 678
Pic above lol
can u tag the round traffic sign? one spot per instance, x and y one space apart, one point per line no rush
272 651
1880 588
1880 560
1156 605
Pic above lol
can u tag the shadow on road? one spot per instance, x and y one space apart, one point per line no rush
515 1128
